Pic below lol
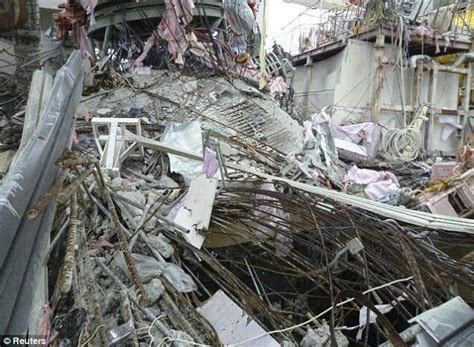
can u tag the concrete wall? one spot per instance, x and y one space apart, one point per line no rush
347 80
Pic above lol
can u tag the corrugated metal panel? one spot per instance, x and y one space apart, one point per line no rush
23 241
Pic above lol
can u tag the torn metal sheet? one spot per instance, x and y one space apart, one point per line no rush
237 325
445 324
195 214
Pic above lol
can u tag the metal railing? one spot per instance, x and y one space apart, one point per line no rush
455 20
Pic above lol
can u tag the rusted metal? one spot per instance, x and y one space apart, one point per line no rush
74 186
46 199
64 282
136 280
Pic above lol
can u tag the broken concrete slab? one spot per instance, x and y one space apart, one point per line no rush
237 325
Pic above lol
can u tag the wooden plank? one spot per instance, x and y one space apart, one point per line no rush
379 78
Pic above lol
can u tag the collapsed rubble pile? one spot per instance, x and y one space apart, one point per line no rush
170 229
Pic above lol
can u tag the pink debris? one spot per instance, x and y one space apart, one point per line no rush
211 164
278 86
45 329
379 184
178 14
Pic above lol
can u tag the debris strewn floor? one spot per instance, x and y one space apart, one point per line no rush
177 228
193 207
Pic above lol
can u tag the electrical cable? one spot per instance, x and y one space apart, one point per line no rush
297 325
92 336
405 144
150 327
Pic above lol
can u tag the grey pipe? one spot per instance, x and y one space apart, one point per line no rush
415 58
463 58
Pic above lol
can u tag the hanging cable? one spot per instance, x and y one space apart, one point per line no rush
405 144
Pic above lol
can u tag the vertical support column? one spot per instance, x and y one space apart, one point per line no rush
263 54
433 85
416 96
379 52
468 106
466 103
308 69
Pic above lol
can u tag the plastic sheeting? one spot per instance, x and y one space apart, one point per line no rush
241 20
185 136
378 184
239 15
150 268
269 211
178 14
211 163
278 87
366 134
90 5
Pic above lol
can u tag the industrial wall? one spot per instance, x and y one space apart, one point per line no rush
347 80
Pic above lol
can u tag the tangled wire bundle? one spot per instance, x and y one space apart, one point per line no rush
404 144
